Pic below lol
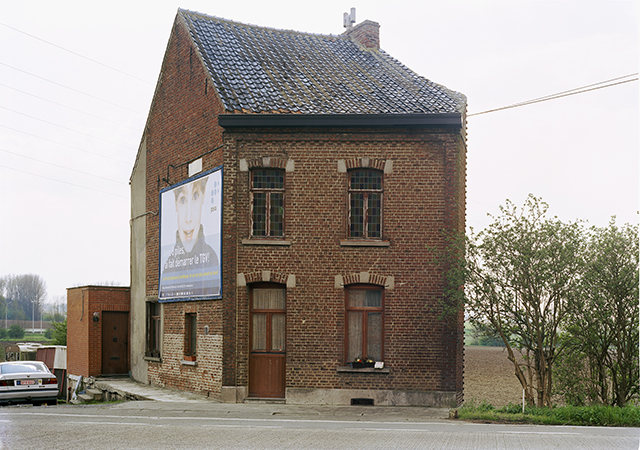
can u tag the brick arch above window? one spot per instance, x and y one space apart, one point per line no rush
365 163
384 165
266 276
386 281
271 162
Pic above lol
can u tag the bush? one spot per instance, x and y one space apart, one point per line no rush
3 333
60 333
16 331
48 334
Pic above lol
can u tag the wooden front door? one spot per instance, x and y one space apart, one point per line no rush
115 343
267 336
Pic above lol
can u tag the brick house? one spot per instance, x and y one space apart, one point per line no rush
318 172
98 330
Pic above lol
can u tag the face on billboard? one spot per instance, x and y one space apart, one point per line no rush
189 202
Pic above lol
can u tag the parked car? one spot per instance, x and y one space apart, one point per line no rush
27 381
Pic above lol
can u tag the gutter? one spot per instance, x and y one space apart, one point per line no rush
339 120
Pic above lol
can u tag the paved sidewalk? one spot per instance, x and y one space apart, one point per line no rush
152 398
130 389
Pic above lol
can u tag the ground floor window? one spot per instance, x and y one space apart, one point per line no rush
190 335
364 327
154 333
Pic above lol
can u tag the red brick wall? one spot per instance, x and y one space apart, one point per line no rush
183 126
78 322
422 196
205 376
84 335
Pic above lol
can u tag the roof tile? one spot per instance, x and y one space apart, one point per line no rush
264 70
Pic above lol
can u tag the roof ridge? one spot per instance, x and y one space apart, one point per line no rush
262 27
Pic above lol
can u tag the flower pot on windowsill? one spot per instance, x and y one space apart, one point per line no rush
362 365
189 358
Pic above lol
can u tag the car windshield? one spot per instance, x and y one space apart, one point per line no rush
22 368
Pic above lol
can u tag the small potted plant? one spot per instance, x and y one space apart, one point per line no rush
361 363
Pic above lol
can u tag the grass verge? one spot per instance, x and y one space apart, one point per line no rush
602 416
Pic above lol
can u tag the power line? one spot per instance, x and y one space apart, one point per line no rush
66 145
69 107
65 128
580 90
61 181
62 167
75 53
70 88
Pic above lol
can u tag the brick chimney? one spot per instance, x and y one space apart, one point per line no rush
366 34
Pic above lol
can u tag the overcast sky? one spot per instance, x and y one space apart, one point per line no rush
77 79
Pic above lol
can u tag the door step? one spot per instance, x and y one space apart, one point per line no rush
272 401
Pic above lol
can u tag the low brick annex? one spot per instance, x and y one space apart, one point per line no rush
341 169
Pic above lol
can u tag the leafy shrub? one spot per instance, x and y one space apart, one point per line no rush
3 333
16 331
59 333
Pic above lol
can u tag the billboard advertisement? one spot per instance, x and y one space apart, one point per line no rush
190 239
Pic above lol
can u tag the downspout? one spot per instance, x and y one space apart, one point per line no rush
82 313
235 193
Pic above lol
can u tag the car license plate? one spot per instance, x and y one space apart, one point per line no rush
25 382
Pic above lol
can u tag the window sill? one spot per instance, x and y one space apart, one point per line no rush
363 243
349 369
274 242
189 363
153 359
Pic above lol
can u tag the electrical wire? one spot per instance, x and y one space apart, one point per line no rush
65 128
69 107
76 54
61 167
62 181
66 145
580 90
70 88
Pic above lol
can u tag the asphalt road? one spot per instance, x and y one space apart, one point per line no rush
156 425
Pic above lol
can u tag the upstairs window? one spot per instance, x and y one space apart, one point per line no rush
365 204
267 206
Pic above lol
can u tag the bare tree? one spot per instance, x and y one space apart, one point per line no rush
27 293
56 309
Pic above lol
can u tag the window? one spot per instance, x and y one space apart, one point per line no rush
190 336
365 204
267 212
154 321
364 315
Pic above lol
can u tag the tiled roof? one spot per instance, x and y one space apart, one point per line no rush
265 70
